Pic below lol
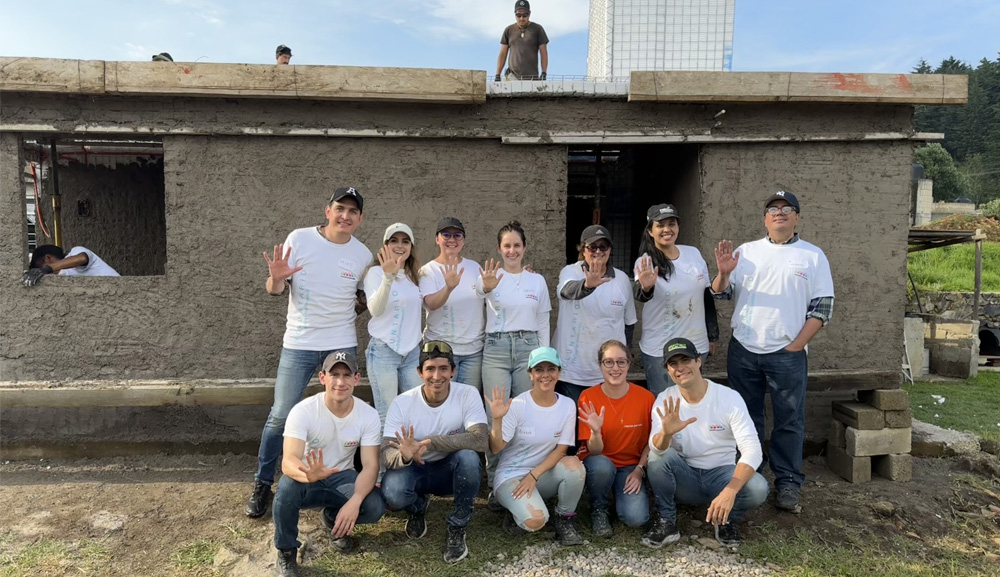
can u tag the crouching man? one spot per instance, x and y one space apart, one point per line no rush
432 436
697 427
322 434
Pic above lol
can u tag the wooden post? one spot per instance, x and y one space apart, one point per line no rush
979 276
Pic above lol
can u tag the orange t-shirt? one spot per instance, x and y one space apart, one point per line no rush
626 423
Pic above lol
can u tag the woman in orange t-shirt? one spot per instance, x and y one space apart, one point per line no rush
614 442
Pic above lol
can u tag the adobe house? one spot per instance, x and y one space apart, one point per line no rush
181 174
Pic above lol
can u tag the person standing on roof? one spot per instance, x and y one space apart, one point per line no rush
524 41
282 54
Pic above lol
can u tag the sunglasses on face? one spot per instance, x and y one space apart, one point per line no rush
593 248
454 235
439 346
786 210
522 14
611 363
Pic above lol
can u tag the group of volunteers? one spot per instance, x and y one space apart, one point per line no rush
460 364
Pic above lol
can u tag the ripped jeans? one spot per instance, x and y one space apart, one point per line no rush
565 481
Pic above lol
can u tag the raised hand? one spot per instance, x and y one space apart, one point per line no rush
499 406
409 448
670 417
646 273
725 258
491 273
591 417
314 468
277 266
453 274
595 275
389 262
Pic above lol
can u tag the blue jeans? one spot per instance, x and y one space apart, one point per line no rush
603 478
390 373
674 481
469 370
295 368
333 492
784 374
657 378
505 365
458 474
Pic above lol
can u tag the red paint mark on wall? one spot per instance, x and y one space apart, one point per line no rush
903 83
187 71
853 83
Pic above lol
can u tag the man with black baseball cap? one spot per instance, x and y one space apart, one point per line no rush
524 41
282 54
322 435
322 268
162 57
784 296
698 425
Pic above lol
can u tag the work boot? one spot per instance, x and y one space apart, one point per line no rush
566 532
416 525
455 549
728 535
287 565
344 544
511 526
601 524
788 499
493 504
257 503
661 532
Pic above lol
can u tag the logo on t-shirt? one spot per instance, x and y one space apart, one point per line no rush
531 296
716 428
348 275
801 274
617 302
557 434
454 431
349 444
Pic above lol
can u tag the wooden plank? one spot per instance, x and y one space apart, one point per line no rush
52 75
879 88
701 86
202 79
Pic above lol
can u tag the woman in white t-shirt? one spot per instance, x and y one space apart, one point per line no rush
532 433
395 305
454 305
673 282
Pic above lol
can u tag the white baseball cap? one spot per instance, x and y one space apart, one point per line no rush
394 228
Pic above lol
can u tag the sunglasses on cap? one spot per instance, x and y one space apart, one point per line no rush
439 346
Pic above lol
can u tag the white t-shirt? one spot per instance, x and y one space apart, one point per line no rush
723 425
94 267
520 302
772 285
677 308
399 325
321 303
532 432
462 409
311 421
585 324
461 320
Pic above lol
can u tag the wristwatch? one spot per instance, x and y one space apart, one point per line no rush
641 468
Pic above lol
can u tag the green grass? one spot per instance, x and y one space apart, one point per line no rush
195 554
972 405
48 556
952 268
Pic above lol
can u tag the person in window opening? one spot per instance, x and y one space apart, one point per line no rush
784 296
673 281
282 54
524 41
49 259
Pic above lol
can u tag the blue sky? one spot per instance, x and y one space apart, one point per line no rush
782 35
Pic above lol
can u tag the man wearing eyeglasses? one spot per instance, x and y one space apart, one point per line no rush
784 296
524 41
323 266
430 446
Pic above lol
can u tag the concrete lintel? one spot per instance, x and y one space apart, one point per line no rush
706 86
708 138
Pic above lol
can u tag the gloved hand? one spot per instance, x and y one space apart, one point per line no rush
542 77
497 78
31 277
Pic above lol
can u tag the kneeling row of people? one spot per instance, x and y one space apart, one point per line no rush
683 444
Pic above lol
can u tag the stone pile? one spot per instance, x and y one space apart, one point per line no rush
870 435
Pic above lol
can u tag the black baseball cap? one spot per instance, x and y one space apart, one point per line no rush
783 195
341 357
450 222
282 49
163 57
522 5
348 191
679 346
594 233
660 212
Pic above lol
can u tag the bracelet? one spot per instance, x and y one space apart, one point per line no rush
532 475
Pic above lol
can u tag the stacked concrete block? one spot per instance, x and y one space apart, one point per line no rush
871 435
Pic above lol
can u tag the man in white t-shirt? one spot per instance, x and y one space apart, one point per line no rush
323 266
784 296
431 444
49 259
322 435
697 427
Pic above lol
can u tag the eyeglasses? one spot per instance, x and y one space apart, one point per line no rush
592 248
454 235
439 346
611 363
522 14
786 210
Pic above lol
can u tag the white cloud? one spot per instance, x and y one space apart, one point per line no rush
209 12
137 52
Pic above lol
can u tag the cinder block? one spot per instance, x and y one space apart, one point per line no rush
893 467
838 434
858 415
853 469
886 399
899 419
873 443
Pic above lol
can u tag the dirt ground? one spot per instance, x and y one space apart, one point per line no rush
183 515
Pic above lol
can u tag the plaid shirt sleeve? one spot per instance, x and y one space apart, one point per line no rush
724 295
820 308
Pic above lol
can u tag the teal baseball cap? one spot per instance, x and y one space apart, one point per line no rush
544 355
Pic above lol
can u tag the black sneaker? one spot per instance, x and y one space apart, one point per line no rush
728 535
493 504
257 503
455 549
287 565
661 532
343 545
566 532
600 523
788 500
416 525
511 526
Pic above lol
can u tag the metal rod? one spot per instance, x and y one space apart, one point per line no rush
979 278
56 199
916 293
